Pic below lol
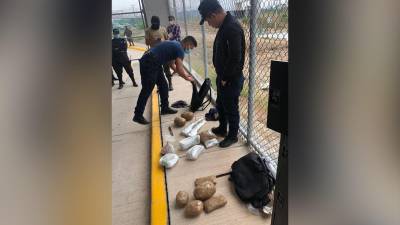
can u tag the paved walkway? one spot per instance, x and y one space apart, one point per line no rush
130 155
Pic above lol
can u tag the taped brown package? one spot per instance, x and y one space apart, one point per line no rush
204 191
214 203
194 208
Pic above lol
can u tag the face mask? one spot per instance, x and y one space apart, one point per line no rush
116 35
171 22
187 51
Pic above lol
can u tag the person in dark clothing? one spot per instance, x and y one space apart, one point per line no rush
113 78
154 35
120 58
228 60
128 35
151 72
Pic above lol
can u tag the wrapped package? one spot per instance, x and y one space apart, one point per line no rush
182 198
194 152
168 148
204 191
187 130
169 160
187 115
194 208
196 128
179 121
201 180
214 203
211 143
189 142
206 136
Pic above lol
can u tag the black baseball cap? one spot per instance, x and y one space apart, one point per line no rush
207 7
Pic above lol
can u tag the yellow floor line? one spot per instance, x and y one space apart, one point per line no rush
137 48
159 215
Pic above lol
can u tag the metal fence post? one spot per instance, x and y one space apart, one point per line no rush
205 55
175 11
186 29
252 65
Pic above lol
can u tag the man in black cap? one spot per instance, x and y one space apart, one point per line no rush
120 58
228 60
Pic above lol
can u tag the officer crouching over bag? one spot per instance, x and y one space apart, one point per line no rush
151 72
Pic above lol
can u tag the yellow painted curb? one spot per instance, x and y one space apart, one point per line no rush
137 48
159 214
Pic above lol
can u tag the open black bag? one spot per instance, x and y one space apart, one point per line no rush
199 96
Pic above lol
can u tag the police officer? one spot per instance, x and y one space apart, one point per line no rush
228 60
120 58
151 72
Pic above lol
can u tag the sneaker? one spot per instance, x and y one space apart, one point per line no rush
140 119
219 132
168 111
228 141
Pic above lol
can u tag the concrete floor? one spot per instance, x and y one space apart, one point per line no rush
212 161
130 155
131 167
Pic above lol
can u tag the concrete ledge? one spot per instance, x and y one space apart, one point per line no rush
158 206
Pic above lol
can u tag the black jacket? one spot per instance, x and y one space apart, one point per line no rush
229 49
119 50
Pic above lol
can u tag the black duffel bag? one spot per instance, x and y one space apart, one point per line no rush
252 180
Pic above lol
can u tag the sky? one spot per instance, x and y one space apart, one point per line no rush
124 4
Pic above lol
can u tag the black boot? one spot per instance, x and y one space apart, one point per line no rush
121 85
228 141
140 119
168 111
218 131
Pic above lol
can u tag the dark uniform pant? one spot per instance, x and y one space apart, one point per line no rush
118 65
168 74
151 73
228 105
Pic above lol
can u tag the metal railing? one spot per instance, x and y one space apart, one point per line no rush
265 23
133 19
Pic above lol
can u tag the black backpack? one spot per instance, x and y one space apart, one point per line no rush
252 180
198 96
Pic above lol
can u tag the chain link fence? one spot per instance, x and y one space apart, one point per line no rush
265 24
131 17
